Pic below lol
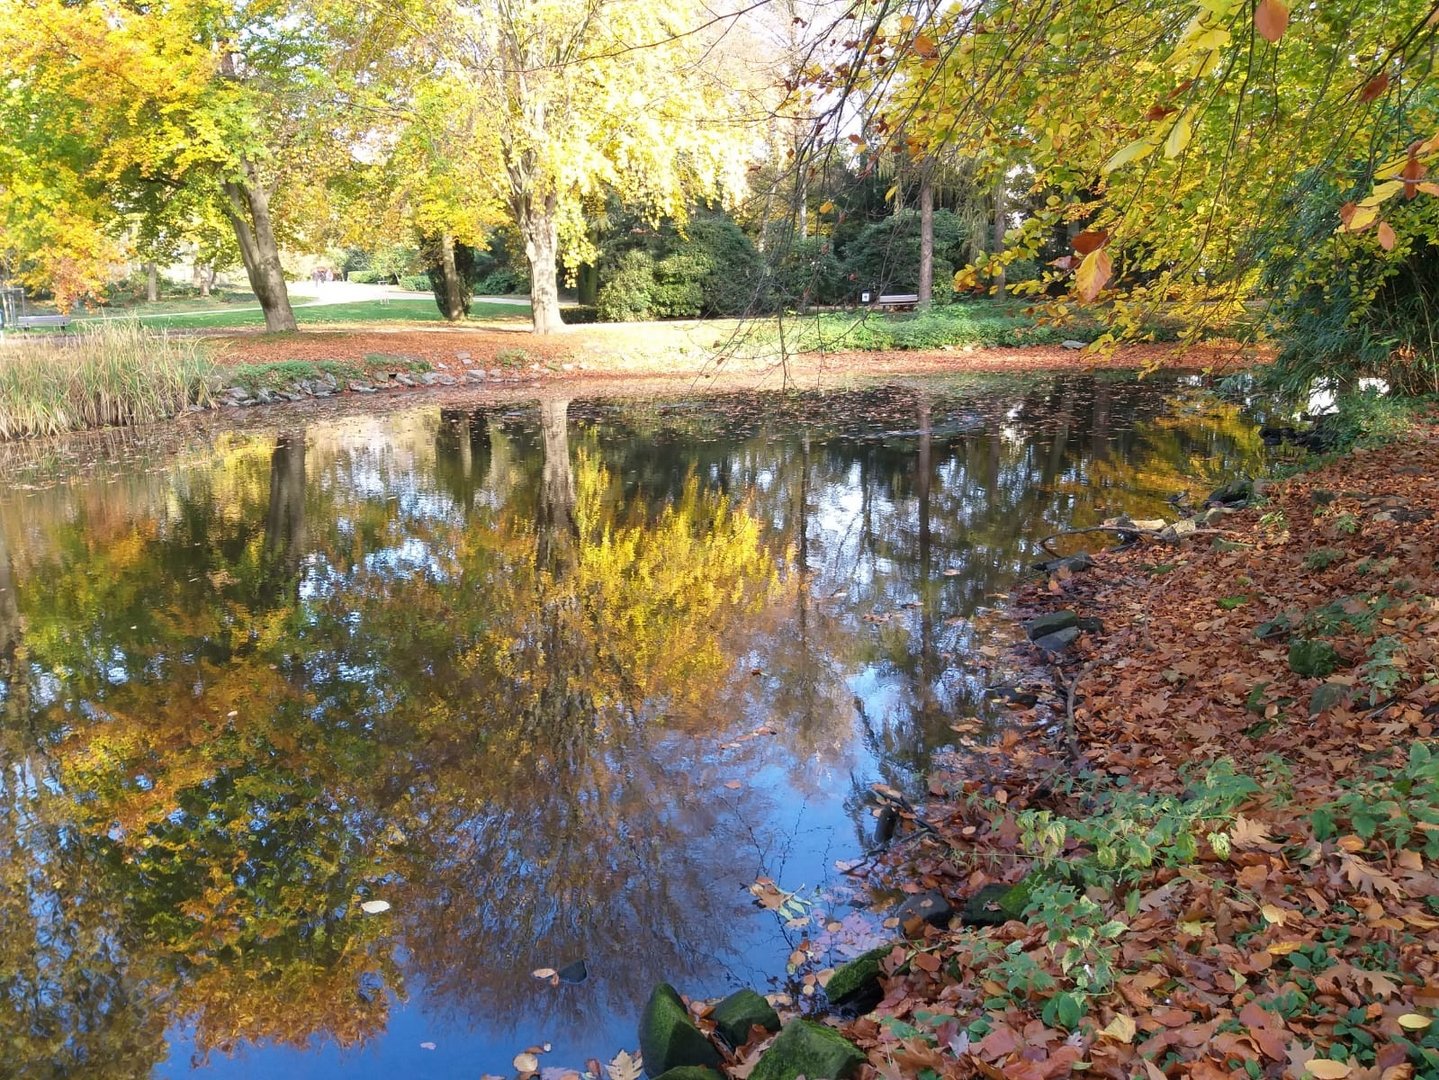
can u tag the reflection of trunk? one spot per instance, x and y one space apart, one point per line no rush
462 437
285 522
1001 214
923 467
248 207
452 290
926 235
12 679
1059 448
555 520
536 219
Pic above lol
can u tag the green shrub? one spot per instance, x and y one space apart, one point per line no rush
364 277
709 270
1347 309
1368 418
580 314
415 282
500 281
809 273
884 257
626 293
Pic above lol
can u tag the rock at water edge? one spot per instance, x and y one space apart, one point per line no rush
857 980
668 1037
811 1050
1059 640
1052 623
930 907
742 1011
995 904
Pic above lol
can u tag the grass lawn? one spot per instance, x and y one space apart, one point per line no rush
220 298
364 311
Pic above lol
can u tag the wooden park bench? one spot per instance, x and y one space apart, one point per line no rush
897 302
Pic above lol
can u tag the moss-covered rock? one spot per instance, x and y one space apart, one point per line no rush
689 1072
857 982
996 904
669 1038
743 1010
811 1050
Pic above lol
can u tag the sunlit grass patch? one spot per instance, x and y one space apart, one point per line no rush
114 373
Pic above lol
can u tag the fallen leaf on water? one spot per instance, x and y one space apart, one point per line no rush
526 1064
543 973
427 1046
625 1067
375 907
733 785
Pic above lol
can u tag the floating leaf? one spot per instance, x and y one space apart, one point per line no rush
625 1067
526 1064
544 973
375 907
427 1046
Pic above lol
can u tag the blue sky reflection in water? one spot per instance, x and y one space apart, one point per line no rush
557 680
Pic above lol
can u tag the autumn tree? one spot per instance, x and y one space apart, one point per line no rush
593 96
1173 143
155 110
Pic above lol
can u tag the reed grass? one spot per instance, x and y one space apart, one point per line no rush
110 374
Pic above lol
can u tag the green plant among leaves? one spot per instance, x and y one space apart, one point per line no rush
1400 805
1322 558
1311 658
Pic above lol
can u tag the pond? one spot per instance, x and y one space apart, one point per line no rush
555 681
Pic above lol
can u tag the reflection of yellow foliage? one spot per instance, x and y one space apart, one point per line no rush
656 596
1160 463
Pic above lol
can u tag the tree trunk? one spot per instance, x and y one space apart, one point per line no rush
926 236
452 288
152 283
202 278
589 284
536 220
1001 213
248 208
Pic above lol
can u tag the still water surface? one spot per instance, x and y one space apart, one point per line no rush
557 681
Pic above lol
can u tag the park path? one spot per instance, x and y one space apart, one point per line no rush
330 292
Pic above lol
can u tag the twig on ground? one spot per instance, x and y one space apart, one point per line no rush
1071 736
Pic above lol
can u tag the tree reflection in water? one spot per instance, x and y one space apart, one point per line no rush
484 665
